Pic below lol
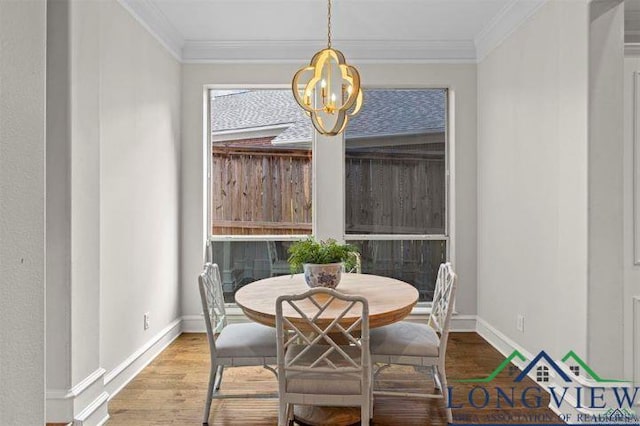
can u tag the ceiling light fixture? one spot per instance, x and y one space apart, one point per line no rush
329 88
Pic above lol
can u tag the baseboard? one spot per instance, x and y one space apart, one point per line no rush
464 323
500 341
95 414
85 403
193 324
126 371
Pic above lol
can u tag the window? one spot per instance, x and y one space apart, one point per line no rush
260 164
260 183
542 374
396 184
395 193
575 369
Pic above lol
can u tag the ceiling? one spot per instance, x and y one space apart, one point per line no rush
291 30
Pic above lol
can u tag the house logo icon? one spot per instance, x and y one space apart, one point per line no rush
539 359
542 365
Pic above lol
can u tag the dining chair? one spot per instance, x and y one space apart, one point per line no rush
419 344
321 361
236 345
277 266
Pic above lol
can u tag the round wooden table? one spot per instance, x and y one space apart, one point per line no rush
390 300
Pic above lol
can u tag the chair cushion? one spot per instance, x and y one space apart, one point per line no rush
248 340
323 383
405 339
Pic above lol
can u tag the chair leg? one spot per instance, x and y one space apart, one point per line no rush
290 415
445 392
364 413
218 381
283 413
371 401
436 377
207 405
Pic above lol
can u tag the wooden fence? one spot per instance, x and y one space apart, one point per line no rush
268 191
261 191
394 194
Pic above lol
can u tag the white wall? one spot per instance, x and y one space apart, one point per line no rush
460 78
532 181
113 175
631 254
605 292
22 211
139 172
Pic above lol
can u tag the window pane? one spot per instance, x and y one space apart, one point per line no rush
415 262
260 164
395 163
242 262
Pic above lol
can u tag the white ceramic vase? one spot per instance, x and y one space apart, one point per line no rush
322 275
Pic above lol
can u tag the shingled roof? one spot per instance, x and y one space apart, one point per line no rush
385 112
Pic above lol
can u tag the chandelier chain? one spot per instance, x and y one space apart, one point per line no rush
329 24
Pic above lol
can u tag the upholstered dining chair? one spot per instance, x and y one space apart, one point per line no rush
321 361
418 344
236 345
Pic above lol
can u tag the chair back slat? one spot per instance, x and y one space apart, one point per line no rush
324 338
212 298
208 252
443 300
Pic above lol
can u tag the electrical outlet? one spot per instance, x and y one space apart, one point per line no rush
146 320
520 323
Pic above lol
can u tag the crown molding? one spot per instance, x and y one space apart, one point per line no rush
632 49
157 24
514 14
355 51
508 20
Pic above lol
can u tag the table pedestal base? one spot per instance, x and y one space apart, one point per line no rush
310 415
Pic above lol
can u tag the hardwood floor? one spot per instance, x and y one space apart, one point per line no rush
170 391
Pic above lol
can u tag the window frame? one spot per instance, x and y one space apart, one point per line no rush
340 230
449 182
208 187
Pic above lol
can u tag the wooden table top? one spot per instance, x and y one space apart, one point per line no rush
390 300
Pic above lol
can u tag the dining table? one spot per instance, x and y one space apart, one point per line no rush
390 300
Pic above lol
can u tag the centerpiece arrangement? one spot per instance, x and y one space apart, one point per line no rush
322 261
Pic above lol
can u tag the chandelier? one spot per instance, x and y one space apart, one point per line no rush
329 88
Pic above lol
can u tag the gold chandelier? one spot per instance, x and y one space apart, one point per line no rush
329 88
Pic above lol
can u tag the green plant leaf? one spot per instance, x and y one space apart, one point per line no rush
310 250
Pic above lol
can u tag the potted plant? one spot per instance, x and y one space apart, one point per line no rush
322 261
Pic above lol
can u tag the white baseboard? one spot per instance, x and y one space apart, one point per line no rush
126 371
94 414
193 324
85 403
500 341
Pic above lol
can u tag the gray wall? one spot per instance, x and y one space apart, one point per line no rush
22 207
605 292
532 181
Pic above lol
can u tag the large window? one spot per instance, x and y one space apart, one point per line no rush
260 183
396 184
395 193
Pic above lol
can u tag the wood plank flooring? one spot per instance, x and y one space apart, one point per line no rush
170 391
